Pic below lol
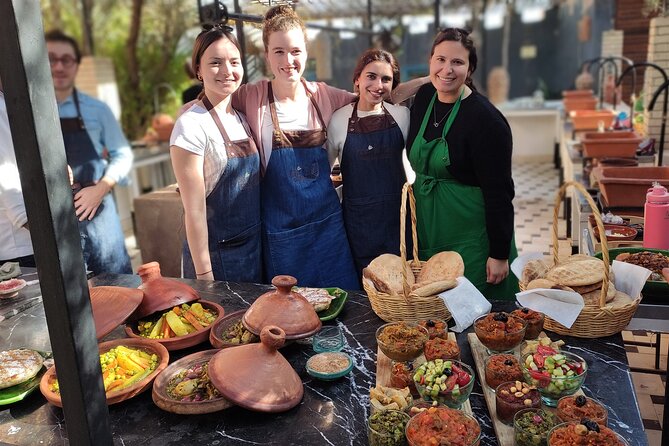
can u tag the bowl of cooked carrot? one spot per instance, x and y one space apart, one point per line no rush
129 366
179 327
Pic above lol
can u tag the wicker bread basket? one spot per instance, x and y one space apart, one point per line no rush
593 321
396 307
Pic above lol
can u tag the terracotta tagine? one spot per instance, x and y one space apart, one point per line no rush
257 376
284 308
161 293
111 306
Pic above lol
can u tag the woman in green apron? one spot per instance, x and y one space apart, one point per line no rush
460 147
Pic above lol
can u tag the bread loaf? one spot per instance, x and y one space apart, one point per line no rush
447 265
534 269
432 288
385 272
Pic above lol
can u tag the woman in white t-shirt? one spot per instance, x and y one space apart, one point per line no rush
368 136
217 166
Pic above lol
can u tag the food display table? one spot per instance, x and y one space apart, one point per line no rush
331 413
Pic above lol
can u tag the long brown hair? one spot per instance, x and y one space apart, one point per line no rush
281 18
462 36
374 55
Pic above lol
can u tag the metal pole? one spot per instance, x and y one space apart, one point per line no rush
369 22
241 39
40 156
437 15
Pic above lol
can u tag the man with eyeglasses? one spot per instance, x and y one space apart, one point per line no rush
99 156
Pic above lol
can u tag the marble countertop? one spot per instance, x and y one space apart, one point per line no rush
331 413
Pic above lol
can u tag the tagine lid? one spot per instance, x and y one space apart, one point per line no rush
284 308
257 376
161 293
111 306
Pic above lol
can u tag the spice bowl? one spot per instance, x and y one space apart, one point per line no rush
329 366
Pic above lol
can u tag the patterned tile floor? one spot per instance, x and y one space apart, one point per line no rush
536 186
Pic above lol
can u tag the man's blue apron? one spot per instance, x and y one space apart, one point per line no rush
373 176
303 228
233 214
102 237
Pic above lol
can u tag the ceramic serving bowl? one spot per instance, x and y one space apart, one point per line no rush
616 233
328 366
180 342
113 397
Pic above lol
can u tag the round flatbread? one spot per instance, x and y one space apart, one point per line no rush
446 265
534 269
579 273
17 366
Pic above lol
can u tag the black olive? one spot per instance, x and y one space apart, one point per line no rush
503 317
591 425
430 323
580 401
448 372
525 310
409 366
508 362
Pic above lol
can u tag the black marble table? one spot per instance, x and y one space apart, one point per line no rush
331 413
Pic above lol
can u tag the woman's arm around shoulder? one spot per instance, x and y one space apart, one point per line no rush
337 131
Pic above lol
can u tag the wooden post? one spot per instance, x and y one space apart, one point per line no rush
40 156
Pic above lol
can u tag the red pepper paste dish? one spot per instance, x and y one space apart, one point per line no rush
439 348
575 408
584 433
500 332
443 426
534 319
502 368
436 328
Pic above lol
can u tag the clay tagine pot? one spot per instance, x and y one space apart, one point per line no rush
161 293
284 308
257 376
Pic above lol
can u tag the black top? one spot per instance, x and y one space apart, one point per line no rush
480 145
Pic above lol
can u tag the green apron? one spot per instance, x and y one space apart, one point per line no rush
451 215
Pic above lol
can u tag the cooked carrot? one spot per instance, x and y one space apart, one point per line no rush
105 374
170 332
190 317
115 384
177 311
166 331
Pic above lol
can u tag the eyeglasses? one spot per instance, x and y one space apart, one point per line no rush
65 61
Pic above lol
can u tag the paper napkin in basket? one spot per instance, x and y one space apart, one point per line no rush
519 262
563 306
629 278
466 303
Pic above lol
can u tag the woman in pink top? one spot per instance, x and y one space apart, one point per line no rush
303 229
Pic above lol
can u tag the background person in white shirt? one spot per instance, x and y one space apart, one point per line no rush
15 244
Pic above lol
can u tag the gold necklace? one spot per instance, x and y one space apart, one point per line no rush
434 112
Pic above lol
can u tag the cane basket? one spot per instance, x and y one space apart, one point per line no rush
405 307
593 321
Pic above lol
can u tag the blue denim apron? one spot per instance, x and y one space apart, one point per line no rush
233 214
303 228
102 239
373 176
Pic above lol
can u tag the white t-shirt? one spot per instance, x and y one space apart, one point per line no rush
292 116
338 130
195 131
14 238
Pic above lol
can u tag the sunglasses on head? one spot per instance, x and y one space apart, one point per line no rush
216 27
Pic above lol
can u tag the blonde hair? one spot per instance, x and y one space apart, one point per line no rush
281 18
